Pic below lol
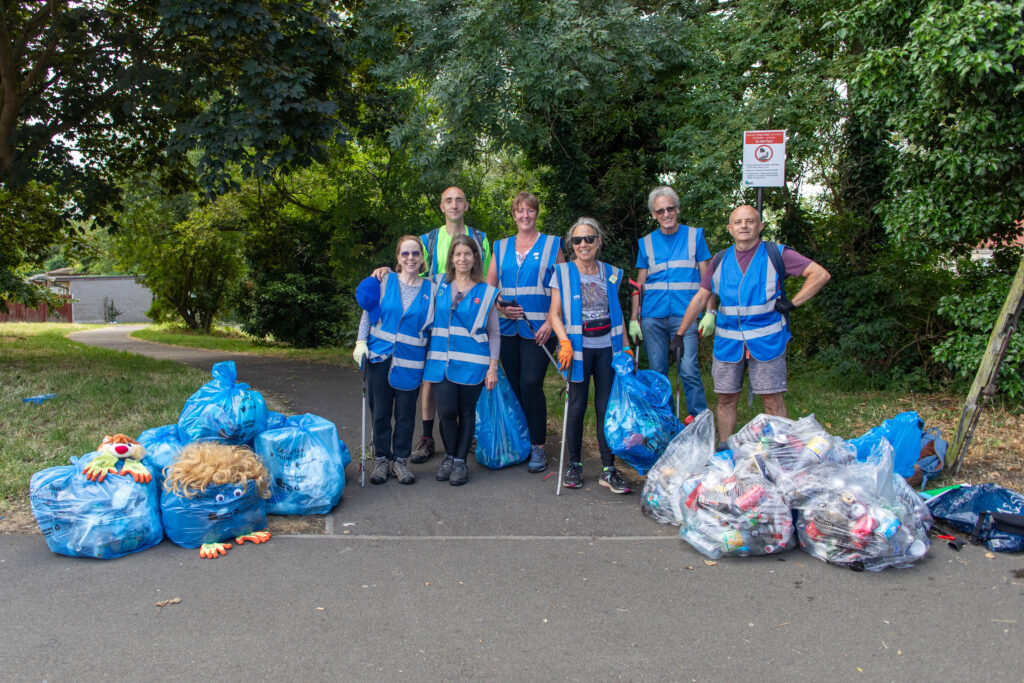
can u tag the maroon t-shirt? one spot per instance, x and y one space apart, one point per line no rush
794 262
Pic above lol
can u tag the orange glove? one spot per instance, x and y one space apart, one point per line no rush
211 551
137 471
631 354
254 537
99 466
565 354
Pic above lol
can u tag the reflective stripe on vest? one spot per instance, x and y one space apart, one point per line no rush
402 334
572 310
429 241
746 316
526 284
459 348
673 281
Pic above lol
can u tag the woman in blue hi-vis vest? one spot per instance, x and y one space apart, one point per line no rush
521 268
587 319
393 339
463 354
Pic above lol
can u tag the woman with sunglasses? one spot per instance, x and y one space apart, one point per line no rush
463 355
587 319
521 268
393 338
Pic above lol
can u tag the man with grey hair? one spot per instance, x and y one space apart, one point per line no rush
670 263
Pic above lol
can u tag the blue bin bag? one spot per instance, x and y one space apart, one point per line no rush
223 410
275 420
162 449
307 471
961 508
502 437
904 435
220 513
82 518
639 422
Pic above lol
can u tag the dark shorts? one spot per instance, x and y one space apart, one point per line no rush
766 376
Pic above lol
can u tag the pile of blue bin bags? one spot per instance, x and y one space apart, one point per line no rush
302 453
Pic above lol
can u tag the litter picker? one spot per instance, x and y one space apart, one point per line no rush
362 427
565 408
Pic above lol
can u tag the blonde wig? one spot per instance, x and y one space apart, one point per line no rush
209 463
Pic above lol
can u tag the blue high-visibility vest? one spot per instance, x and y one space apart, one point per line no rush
459 349
526 284
672 278
572 309
402 335
429 241
746 314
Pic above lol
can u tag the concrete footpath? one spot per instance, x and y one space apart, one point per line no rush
496 580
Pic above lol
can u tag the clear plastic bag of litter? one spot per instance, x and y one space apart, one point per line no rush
220 513
639 422
223 410
162 448
675 474
306 465
502 437
859 514
783 449
735 512
101 519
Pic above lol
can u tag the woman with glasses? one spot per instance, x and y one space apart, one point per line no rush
521 268
463 354
587 319
670 262
393 337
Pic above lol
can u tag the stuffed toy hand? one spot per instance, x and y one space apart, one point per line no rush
254 537
211 551
99 466
139 472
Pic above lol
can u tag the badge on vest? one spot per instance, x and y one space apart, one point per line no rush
613 278
476 300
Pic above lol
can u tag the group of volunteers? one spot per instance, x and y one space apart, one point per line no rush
437 325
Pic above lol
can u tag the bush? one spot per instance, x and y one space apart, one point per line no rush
300 309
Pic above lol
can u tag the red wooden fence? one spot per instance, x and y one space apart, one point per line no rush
19 313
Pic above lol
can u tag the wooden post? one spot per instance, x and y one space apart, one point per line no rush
984 386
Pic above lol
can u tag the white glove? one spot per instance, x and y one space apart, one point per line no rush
361 351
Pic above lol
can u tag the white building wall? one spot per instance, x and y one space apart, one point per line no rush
128 296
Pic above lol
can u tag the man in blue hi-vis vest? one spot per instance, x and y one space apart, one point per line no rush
670 262
752 327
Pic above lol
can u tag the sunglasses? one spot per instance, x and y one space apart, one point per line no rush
407 254
589 239
667 210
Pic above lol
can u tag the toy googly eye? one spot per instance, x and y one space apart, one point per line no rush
238 493
219 498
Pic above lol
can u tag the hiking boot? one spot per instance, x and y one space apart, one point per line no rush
573 476
380 471
538 460
460 475
610 479
400 471
424 450
445 470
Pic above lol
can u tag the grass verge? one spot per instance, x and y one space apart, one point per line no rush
234 341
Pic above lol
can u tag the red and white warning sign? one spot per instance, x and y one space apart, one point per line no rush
764 158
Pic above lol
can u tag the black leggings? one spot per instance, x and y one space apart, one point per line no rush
525 365
456 408
596 363
385 401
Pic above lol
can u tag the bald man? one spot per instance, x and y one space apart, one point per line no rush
752 329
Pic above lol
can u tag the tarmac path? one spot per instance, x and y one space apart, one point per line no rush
496 580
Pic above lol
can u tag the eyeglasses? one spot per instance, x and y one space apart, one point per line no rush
457 299
666 211
589 239
407 254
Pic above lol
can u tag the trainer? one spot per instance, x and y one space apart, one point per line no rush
753 327
670 262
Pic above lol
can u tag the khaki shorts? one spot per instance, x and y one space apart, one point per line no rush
766 376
